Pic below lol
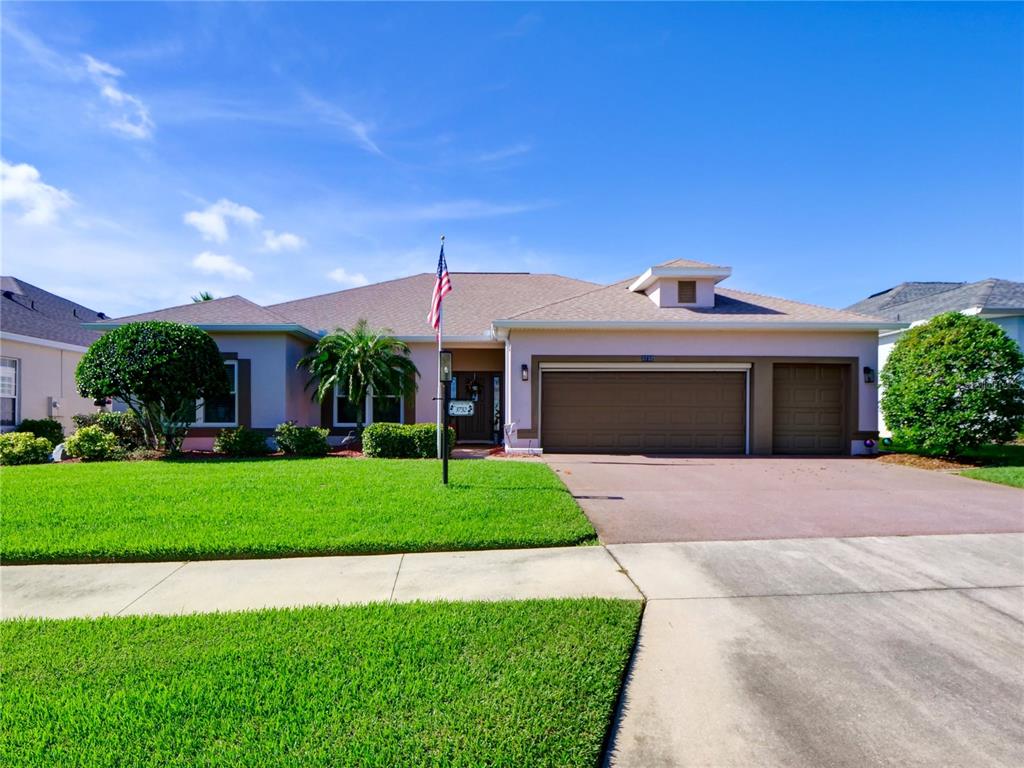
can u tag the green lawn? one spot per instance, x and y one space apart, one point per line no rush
163 510
999 463
530 683
1004 475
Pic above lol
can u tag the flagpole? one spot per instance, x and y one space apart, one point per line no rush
440 386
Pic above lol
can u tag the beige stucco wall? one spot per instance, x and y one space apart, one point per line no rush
276 386
46 372
523 345
299 404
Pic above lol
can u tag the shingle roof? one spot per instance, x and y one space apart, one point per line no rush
616 303
28 310
689 263
402 305
908 302
229 310
480 299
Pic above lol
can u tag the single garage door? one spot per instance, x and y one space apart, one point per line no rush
643 411
809 409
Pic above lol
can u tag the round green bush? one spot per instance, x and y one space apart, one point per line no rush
160 370
241 442
124 425
385 440
51 429
954 383
301 441
24 448
92 444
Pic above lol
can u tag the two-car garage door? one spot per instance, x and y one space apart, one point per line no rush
644 411
691 411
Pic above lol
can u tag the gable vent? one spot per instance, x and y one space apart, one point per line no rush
686 291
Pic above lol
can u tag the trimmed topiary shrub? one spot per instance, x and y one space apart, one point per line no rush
51 429
301 441
954 383
241 441
92 444
24 448
385 440
160 371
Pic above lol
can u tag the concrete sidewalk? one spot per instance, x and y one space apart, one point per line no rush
118 589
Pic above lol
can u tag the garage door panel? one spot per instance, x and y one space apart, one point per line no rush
809 413
644 411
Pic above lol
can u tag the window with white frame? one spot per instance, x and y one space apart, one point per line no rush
222 410
388 408
8 393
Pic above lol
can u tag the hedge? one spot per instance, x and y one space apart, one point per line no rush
385 440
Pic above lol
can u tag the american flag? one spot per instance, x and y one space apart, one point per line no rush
442 287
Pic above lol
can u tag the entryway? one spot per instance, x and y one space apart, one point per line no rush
483 388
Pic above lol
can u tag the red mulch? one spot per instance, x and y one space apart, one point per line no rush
926 462
500 453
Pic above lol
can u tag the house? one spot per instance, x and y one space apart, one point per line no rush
668 361
41 342
1001 301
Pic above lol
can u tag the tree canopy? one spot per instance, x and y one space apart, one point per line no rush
159 370
954 383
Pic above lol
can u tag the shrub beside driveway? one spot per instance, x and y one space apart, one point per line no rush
529 683
189 510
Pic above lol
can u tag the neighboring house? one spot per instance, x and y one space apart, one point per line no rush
666 362
1001 301
41 342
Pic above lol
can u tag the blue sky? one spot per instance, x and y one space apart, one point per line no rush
825 152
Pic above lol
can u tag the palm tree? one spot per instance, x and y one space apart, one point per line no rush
203 296
360 361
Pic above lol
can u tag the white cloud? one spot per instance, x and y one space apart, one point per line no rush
353 279
504 153
217 264
212 221
132 116
358 130
448 209
285 241
22 186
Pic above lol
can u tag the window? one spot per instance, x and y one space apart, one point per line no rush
345 411
222 411
8 393
687 291
388 408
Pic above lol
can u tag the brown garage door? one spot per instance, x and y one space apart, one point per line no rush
809 409
643 411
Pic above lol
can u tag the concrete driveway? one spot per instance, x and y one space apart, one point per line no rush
652 499
905 651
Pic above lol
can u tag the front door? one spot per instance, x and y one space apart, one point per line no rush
484 389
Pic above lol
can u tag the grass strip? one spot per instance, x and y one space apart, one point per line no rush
424 684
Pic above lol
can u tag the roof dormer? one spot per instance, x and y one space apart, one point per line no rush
681 283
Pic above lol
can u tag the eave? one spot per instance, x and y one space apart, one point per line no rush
299 330
501 328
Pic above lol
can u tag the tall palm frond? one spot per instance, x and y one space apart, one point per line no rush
359 361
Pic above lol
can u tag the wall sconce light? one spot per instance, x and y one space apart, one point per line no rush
524 372
869 374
